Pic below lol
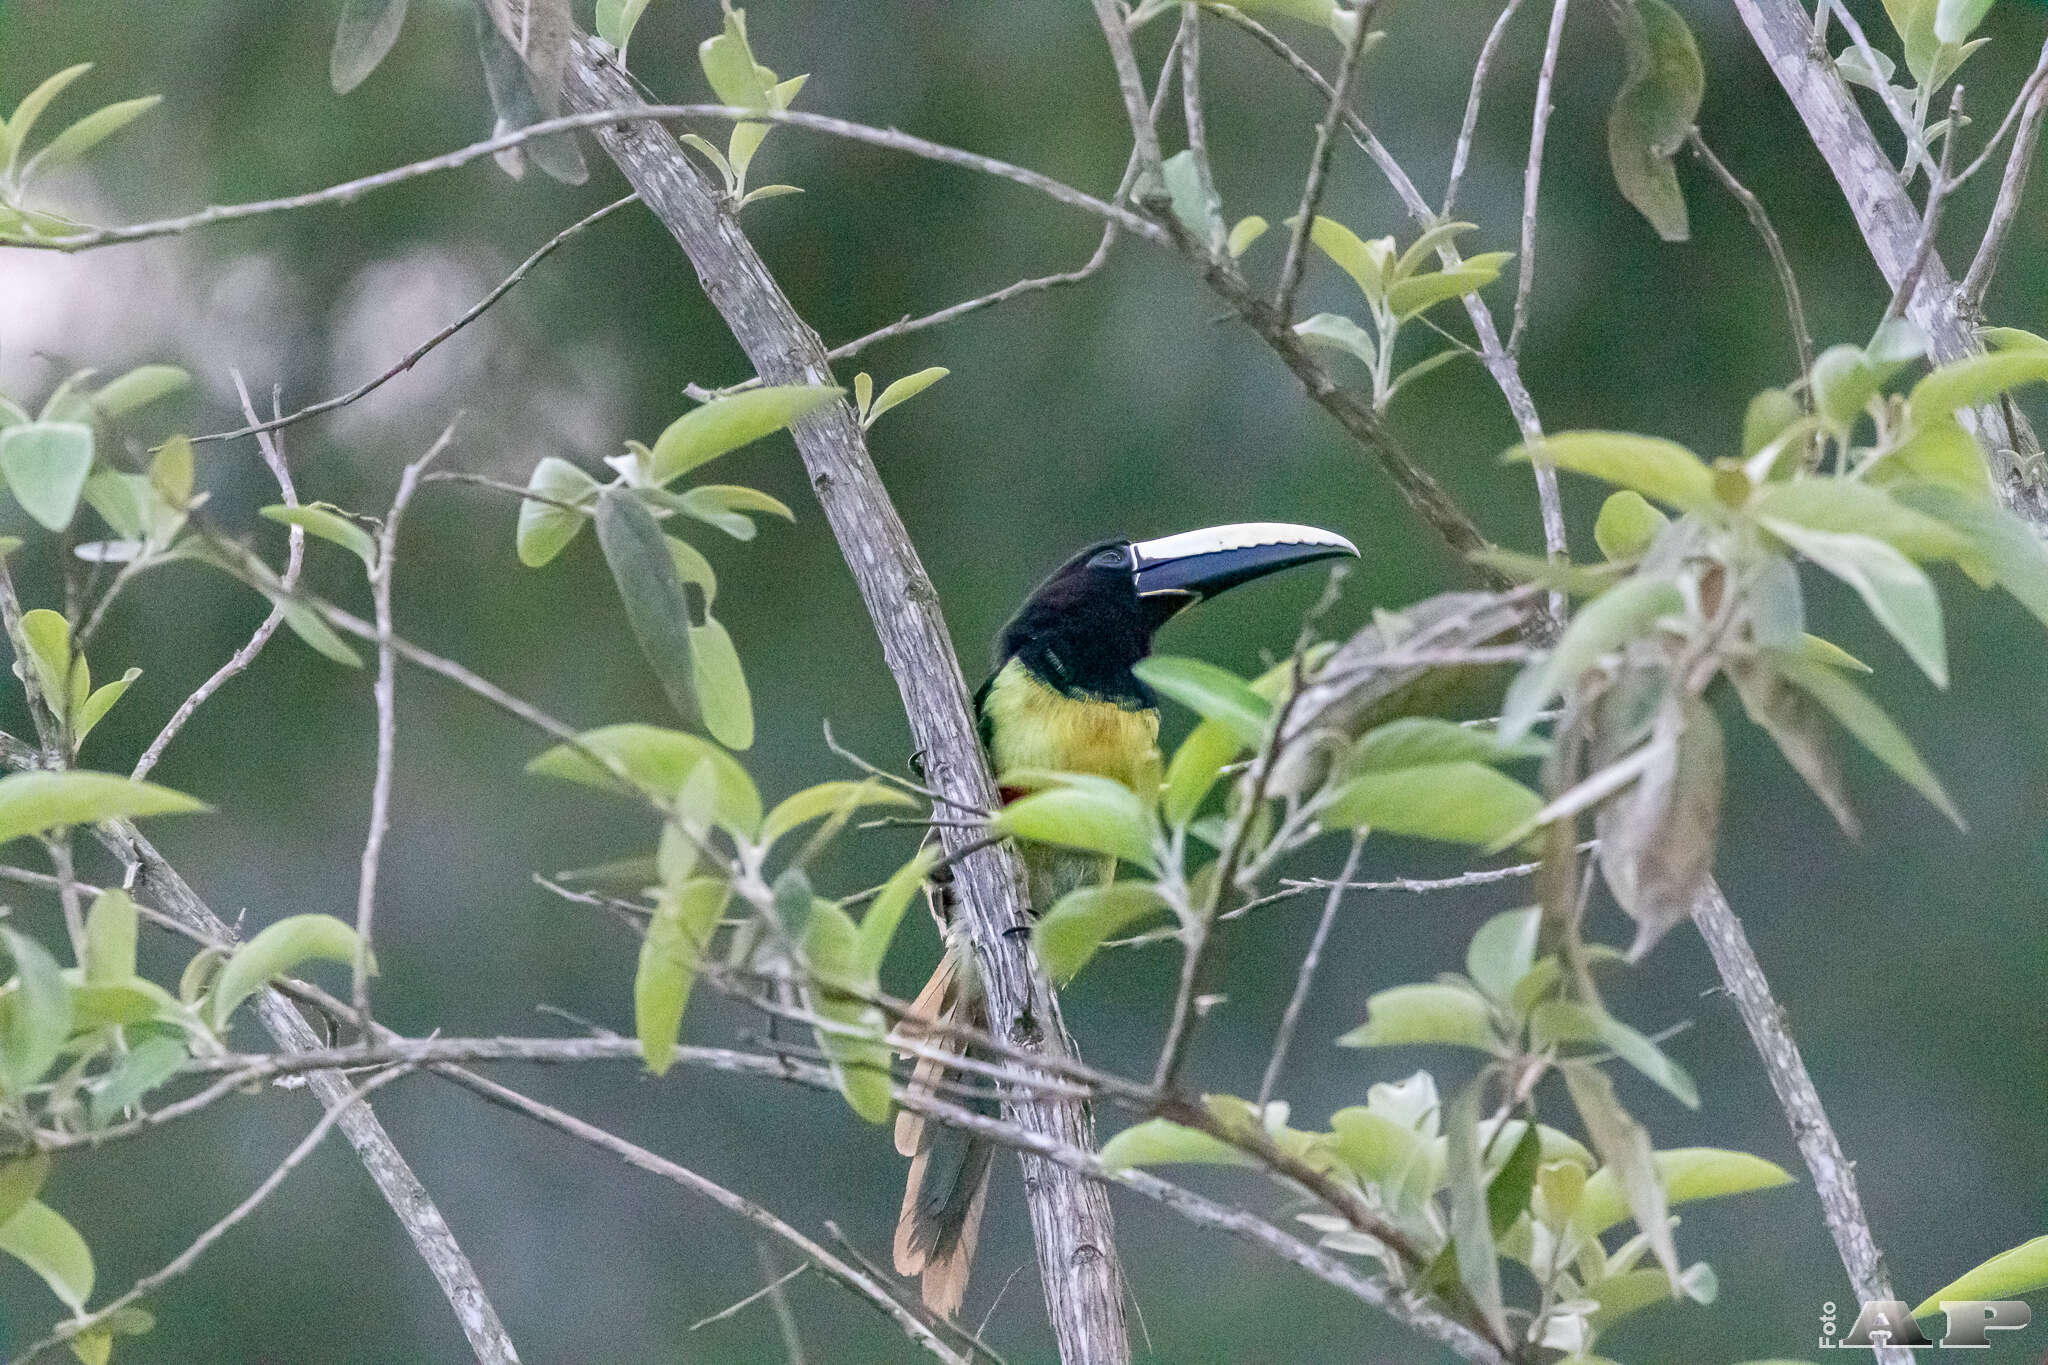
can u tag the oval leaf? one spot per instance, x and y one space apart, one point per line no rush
1211 693
1068 935
1654 467
40 1238
276 951
1425 1012
685 918
652 593
367 30
1688 1174
657 762
722 686
31 803
46 464
1464 803
1103 817
725 424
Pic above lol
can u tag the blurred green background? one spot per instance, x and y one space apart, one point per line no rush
1909 964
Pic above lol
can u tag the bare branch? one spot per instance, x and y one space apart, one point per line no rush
1190 41
1466 130
273 455
1532 176
386 694
1130 83
1781 264
1930 217
1309 962
1319 166
2028 110
185 1259
417 353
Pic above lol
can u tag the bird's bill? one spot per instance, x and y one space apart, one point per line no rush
1179 569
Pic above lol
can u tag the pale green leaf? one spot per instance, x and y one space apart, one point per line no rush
1954 21
1365 262
277 951
1462 802
652 594
1656 468
1629 609
367 30
86 134
836 798
37 1013
685 917
1427 242
832 945
15 130
330 524
1161 1142
21 1178
1568 1021
46 464
1418 741
33 802
1419 293
1101 817
1210 692
693 568
140 386
1628 525
616 20
1866 720
1898 594
1471 1220
544 528
40 1238
99 702
1426 1012
657 762
1338 333
2007 1275
2016 556
908 387
1656 107
1848 507
727 705
1068 935
1976 380
1626 1158
1504 951
110 930
878 925
1688 1174
1247 231
725 424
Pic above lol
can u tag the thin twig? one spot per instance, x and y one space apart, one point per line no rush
1130 83
1469 127
273 456
2022 107
417 353
1781 264
608 117
785 1321
759 1294
1319 166
2029 108
1532 176
1930 221
386 694
1916 155
636 1156
1198 132
1309 962
185 1259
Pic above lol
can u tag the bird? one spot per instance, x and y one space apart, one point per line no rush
1062 696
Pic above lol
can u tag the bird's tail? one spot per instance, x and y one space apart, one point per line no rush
947 1188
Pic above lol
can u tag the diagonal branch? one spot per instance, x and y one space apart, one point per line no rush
1070 1217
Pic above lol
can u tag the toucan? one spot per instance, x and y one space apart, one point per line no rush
1062 697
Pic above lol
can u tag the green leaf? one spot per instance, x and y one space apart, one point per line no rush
2007 1275
1625 1158
878 926
1954 20
657 762
367 30
1161 1142
1426 1012
1103 817
57 671
1610 620
616 20
1844 381
1339 333
1247 231
146 1066
140 386
2016 556
20 1180
1866 720
1846 507
37 1016
1567 1021
1416 741
1656 468
330 524
171 472
313 630
693 568
1503 951
832 946
908 387
1210 692
725 424
545 529
1464 803
15 130
1770 415
1970 382
33 802
1655 109
652 593
1419 293
1365 262
1068 935
1898 594
722 686
1427 242
1937 450
1507 1194
1471 1217
40 1238
98 703
86 134
1688 1174
45 464
280 948
1628 525
685 917
836 798
1190 206
110 928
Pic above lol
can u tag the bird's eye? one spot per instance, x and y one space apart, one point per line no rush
1112 558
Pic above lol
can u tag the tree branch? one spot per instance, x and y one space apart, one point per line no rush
1070 1217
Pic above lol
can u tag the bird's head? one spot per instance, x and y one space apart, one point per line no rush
1086 624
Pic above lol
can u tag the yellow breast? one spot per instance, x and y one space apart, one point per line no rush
1033 726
